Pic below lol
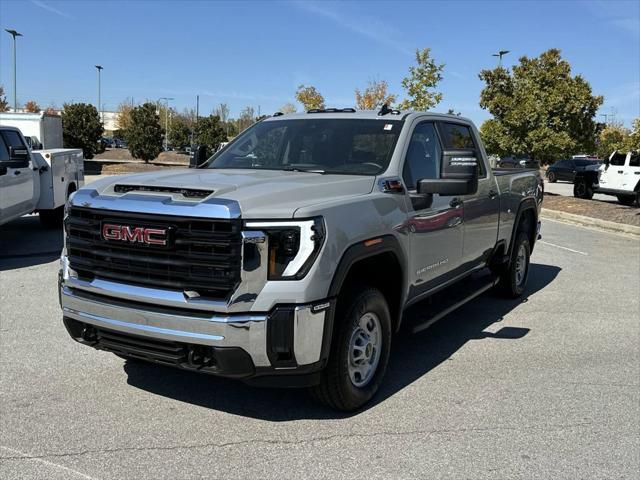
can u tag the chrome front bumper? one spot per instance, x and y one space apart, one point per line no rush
246 331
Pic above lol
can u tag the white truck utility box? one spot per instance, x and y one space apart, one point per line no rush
45 127
64 166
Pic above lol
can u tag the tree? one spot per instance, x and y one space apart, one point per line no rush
123 119
144 133
4 105
222 112
612 137
81 127
374 96
179 132
288 108
246 119
633 142
209 132
32 107
309 97
539 109
421 82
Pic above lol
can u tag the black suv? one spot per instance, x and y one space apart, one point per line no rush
567 169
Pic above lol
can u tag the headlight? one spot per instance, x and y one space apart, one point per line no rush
293 246
523 162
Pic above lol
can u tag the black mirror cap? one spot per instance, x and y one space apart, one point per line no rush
198 156
19 154
447 186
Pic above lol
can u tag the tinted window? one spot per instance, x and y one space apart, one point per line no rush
561 164
347 146
618 158
635 160
13 139
423 155
4 151
584 163
456 136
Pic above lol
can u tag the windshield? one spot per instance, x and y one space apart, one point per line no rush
343 146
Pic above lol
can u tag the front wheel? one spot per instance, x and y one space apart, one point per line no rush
513 280
582 189
359 352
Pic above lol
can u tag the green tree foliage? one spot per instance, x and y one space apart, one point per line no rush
633 142
209 132
179 132
374 96
612 137
421 82
539 109
81 127
144 133
309 97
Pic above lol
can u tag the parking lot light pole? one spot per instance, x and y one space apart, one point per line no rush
500 54
100 68
166 121
14 34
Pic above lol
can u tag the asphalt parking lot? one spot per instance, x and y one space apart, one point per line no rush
546 387
566 190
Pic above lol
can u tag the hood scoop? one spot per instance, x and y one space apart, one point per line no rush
185 192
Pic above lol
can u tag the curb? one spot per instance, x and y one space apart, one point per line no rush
590 222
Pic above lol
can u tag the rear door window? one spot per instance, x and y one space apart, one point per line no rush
4 151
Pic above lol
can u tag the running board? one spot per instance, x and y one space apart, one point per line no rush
456 302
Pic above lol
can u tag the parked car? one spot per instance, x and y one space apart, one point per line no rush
566 169
40 181
619 176
289 257
108 142
119 143
518 162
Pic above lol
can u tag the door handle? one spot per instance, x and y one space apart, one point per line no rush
17 172
455 203
620 171
492 194
636 173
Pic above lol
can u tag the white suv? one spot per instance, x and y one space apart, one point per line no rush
619 175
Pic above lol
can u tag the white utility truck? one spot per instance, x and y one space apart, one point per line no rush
40 130
36 181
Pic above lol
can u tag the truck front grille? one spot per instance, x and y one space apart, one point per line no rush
202 255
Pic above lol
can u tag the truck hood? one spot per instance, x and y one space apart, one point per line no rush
259 193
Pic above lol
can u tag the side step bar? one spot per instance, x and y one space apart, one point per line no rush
479 288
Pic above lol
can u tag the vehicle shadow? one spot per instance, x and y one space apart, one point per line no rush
412 357
25 243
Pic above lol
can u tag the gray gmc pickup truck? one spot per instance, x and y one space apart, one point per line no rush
289 257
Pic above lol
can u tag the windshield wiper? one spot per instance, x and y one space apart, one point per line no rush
306 170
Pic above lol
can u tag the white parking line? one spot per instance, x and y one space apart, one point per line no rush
563 248
47 462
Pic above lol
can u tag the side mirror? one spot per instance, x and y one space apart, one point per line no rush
198 156
19 155
458 174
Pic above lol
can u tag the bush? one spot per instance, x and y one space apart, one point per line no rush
144 133
81 128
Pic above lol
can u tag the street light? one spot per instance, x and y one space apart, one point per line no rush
500 54
100 68
166 121
14 34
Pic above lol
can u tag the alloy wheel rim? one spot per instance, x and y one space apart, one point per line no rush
521 265
365 347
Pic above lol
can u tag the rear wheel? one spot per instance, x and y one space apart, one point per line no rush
552 177
582 189
513 280
359 352
629 200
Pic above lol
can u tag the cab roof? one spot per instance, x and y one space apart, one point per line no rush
351 113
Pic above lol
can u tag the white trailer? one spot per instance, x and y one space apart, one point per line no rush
41 130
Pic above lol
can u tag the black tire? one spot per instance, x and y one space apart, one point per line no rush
52 218
336 389
552 177
582 189
629 200
513 281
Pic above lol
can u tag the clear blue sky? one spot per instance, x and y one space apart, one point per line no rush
256 53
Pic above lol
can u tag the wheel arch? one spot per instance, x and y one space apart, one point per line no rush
378 262
527 221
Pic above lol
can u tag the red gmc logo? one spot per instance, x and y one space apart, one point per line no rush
127 233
